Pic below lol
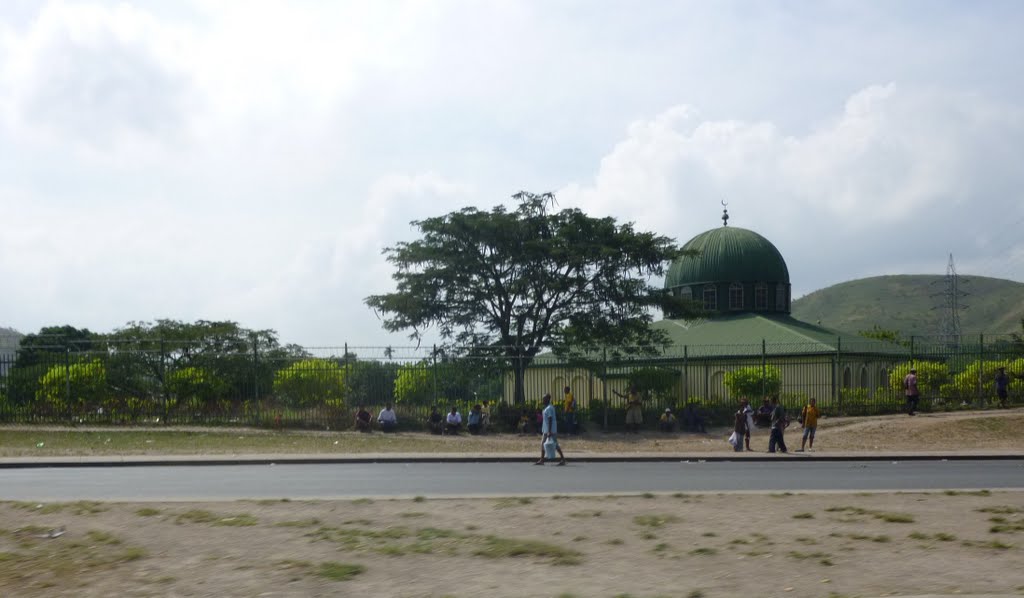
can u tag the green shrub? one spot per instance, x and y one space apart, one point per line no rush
311 382
78 386
754 381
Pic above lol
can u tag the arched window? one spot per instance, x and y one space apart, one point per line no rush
710 298
761 296
846 377
735 296
686 293
864 377
883 377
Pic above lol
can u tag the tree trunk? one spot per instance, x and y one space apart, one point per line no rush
519 372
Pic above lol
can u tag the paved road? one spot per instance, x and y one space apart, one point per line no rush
471 479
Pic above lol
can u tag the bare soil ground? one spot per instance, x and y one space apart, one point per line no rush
952 431
687 545
832 545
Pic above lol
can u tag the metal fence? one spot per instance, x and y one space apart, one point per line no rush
111 382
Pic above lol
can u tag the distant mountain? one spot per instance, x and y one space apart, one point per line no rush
912 305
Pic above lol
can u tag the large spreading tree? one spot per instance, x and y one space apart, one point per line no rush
514 283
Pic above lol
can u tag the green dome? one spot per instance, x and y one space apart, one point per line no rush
728 254
745 271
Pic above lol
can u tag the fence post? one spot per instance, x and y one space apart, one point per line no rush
686 376
433 369
764 369
604 385
256 376
67 377
163 380
981 369
838 398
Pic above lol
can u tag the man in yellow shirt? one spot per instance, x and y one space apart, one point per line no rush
809 420
569 409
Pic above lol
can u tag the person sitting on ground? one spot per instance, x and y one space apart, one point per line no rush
523 427
475 419
436 421
693 420
453 422
362 419
387 419
667 423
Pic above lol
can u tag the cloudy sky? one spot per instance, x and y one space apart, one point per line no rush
249 160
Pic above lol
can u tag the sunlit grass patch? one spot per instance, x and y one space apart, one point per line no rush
882 515
147 512
655 521
81 507
894 517
312 521
968 493
99 537
497 547
1001 510
398 541
823 558
703 551
516 501
993 544
204 516
339 571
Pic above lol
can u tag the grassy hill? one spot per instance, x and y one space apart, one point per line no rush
912 304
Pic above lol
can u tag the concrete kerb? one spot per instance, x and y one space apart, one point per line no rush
285 459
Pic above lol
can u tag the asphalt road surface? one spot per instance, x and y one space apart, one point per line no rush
228 482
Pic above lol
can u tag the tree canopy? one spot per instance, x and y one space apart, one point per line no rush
521 281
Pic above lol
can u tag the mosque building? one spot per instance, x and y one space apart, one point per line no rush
743 283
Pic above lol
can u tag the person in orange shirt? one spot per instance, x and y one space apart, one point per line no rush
809 420
569 409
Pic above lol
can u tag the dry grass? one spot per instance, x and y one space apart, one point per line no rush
579 546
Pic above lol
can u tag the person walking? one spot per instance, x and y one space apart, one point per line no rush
778 427
809 421
549 430
740 430
749 412
910 389
1002 386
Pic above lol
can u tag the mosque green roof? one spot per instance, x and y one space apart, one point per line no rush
728 254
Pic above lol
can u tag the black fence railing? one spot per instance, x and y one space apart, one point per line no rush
174 383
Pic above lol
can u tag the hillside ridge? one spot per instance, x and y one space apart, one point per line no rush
913 305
